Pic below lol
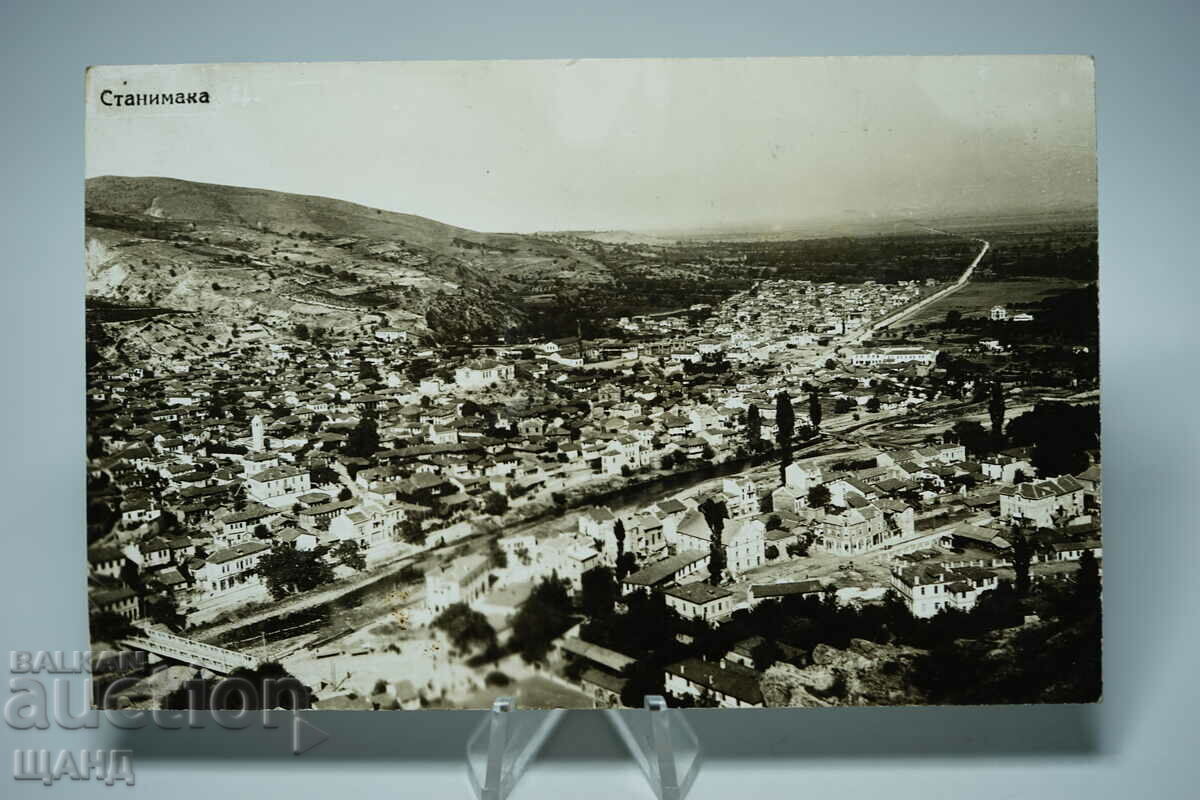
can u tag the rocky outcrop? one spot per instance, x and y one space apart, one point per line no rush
864 674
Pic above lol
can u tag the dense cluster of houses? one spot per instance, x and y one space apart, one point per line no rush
239 452
860 512
201 467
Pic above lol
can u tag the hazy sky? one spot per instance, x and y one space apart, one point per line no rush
623 144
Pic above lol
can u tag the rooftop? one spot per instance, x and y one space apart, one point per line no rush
698 593
661 570
786 589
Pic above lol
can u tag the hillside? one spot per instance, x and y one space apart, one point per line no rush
281 259
172 199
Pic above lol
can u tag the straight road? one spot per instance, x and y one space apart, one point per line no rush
936 296
865 332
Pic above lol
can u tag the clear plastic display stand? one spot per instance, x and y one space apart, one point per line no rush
503 744
659 738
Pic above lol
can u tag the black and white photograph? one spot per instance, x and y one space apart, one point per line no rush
743 382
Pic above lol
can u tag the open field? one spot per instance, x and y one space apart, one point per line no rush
978 296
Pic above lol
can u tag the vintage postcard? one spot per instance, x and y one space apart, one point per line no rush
744 382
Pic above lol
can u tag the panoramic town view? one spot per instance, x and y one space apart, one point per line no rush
412 465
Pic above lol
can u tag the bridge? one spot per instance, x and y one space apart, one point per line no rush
198 654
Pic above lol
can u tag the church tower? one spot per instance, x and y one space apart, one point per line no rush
257 443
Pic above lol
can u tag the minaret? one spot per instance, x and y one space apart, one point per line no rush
256 434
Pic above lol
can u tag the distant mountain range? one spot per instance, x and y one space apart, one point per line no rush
849 223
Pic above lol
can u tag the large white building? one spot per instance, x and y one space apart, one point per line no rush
278 481
893 356
743 540
463 581
229 568
927 590
729 684
480 374
1043 503
699 600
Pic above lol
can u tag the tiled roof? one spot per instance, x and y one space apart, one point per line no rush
698 593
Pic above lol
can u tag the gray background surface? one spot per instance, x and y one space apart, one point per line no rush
1139 741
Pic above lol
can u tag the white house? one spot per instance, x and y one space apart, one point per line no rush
1043 503
731 685
391 335
463 581
483 373
232 567
277 482
893 356
927 590
699 600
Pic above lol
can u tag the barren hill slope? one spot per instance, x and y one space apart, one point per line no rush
236 252
173 199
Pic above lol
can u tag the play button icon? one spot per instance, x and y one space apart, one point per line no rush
305 735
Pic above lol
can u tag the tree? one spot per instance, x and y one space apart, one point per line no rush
753 427
286 569
642 678
499 558
1061 435
715 513
785 425
819 496
161 608
167 521
1053 458
345 494
1087 583
873 404
996 412
765 654
349 554
772 552
599 592
1022 557
953 316
619 536
973 437
814 408
363 441
495 504
109 626
626 565
541 618
270 686
412 532
465 627
799 548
